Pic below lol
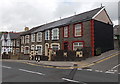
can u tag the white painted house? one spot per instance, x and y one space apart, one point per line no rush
8 42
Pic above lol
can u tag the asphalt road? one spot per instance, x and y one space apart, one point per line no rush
108 66
20 72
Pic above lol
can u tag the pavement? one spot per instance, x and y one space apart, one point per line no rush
70 64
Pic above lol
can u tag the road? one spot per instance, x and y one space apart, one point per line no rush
110 65
20 72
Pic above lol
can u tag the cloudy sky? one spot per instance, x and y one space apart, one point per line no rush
16 14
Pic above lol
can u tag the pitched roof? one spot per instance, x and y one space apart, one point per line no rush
29 31
117 30
12 35
73 19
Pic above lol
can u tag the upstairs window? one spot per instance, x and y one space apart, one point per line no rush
78 30
55 34
17 43
13 43
47 35
39 37
66 31
27 39
32 37
22 40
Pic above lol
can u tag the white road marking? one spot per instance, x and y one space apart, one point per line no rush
115 66
97 70
31 72
109 72
89 69
101 71
7 67
70 80
79 69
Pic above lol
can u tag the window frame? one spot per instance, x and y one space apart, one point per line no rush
32 47
22 40
53 34
39 35
77 41
58 44
22 49
47 37
67 31
74 30
27 37
17 43
32 37
27 51
41 49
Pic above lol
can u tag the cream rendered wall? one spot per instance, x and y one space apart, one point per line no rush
103 17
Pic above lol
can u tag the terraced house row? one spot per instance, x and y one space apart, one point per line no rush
89 31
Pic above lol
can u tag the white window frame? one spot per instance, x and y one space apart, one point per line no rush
77 45
33 47
22 40
27 51
53 34
27 39
22 49
75 29
39 36
13 43
55 44
66 31
17 43
40 50
32 37
47 35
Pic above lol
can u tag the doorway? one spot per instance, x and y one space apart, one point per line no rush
46 49
65 46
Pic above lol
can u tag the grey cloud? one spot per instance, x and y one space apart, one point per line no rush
19 14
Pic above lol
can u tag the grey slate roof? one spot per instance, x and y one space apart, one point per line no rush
12 35
29 31
73 19
117 30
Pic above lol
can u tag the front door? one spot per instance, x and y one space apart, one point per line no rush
65 45
46 49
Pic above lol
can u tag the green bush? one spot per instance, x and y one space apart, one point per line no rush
98 51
